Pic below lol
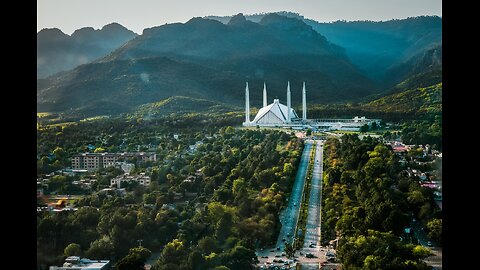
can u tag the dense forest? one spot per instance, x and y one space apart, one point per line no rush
369 201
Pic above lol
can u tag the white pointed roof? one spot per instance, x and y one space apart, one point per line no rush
276 109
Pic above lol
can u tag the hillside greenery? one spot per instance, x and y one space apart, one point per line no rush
368 202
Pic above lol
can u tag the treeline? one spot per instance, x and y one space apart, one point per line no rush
368 202
215 220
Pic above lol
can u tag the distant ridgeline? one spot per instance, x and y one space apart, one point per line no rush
207 60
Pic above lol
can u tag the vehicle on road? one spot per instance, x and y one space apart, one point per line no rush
265 257
429 243
310 255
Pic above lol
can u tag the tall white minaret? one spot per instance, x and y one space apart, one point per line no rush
304 100
247 105
264 95
289 105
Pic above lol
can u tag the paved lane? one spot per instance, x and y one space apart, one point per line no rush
312 235
289 215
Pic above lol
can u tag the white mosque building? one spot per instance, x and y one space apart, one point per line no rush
279 115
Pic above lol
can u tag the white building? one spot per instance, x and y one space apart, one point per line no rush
279 115
75 263
270 115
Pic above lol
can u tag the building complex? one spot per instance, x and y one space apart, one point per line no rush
279 115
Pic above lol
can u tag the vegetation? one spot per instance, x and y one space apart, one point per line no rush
242 180
368 201
422 103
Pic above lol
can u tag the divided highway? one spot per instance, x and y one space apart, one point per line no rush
289 215
312 235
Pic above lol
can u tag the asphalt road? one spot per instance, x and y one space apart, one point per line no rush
312 235
289 215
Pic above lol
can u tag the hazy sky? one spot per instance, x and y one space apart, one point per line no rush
69 15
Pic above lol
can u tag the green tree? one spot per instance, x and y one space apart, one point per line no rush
99 150
289 250
364 128
135 260
72 250
434 228
421 252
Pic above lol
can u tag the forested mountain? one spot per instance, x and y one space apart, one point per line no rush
387 51
57 51
204 58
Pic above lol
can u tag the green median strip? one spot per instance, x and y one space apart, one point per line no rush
302 222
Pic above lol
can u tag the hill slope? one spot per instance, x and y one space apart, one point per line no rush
207 59
57 51
387 51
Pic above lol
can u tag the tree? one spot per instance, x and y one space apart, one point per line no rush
240 258
434 228
421 252
289 250
101 248
207 245
309 132
99 150
364 128
173 253
72 250
135 259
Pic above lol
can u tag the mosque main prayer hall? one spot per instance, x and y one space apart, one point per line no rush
277 114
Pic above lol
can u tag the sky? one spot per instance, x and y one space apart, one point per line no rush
136 15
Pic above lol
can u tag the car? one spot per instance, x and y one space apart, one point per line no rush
283 254
265 257
273 250
310 255
312 245
280 261
284 239
277 256
429 243
278 248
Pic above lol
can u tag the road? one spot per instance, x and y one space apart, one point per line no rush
436 259
312 235
289 215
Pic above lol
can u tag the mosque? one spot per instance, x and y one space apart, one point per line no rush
279 115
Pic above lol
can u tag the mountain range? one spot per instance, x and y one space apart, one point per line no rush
57 51
386 50
212 58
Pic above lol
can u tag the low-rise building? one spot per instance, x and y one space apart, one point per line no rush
95 161
141 179
77 263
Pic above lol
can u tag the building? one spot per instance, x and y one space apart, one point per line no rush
75 263
270 115
141 179
95 161
279 115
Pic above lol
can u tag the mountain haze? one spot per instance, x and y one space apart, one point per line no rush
204 58
379 49
57 51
